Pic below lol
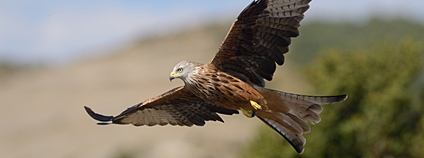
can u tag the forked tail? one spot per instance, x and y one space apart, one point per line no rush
288 113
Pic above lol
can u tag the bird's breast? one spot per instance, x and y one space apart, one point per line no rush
222 89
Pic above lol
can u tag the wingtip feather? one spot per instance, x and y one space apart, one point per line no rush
97 116
341 97
345 97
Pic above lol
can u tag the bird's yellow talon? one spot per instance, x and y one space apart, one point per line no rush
255 105
248 113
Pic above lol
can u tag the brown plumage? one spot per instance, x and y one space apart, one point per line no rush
234 79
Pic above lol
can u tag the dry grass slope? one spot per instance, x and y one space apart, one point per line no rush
42 111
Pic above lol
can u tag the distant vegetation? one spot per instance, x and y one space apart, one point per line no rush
7 70
383 73
317 36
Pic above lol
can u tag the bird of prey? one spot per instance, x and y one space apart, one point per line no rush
234 80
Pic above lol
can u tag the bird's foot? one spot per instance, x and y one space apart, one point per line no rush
248 113
251 113
255 105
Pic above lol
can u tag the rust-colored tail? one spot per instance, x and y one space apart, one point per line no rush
287 113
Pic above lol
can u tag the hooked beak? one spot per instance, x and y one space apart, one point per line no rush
172 76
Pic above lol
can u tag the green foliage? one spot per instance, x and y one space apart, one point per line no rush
383 116
319 35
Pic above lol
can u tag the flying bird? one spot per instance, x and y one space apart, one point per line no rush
234 80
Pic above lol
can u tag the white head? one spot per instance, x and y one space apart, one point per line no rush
183 70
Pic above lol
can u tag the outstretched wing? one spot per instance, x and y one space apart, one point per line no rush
175 107
259 38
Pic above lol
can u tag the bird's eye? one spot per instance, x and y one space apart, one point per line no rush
180 70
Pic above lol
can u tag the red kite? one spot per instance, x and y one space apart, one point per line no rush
234 79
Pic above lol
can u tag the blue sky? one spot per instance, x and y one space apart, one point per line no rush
55 32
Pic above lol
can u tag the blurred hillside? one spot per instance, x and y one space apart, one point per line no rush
42 111
42 108
317 36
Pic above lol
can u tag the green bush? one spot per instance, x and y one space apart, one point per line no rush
383 116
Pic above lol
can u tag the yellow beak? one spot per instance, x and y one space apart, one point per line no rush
173 76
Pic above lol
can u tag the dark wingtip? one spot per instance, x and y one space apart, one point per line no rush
98 117
343 97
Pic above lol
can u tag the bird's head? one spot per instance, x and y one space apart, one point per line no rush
182 70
